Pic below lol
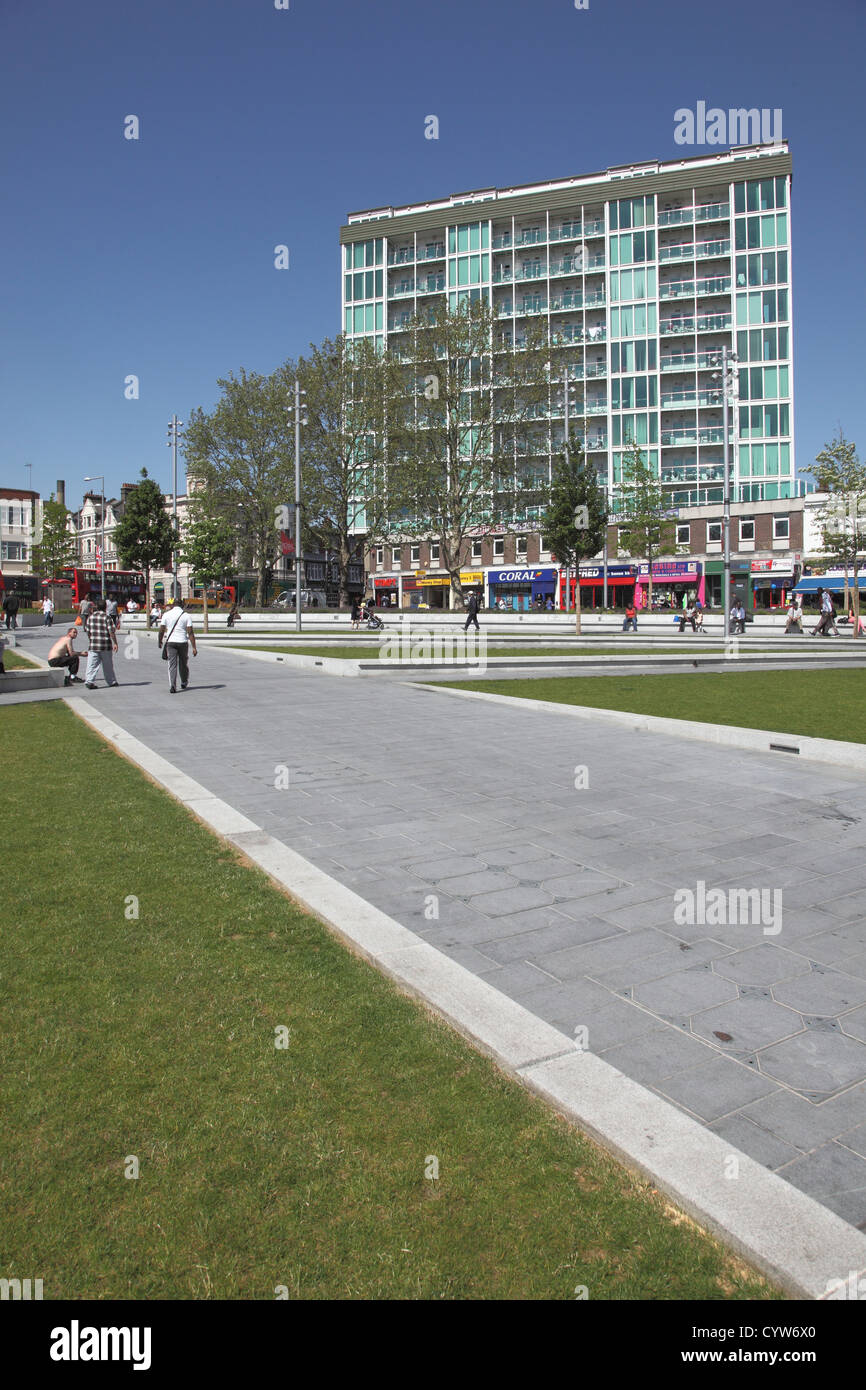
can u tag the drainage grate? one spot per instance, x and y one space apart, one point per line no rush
783 748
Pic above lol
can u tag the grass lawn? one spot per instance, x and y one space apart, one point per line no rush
302 1166
13 660
370 653
821 704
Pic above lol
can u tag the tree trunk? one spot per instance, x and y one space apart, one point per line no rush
458 603
577 596
147 600
204 609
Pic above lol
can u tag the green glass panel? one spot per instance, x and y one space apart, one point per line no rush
781 192
359 319
771 459
378 282
379 315
485 236
368 284
781 228
740 234
462 238
768 231
348 287
485 267
379 250
739 197
368 253
783 382
742 308
368 319
348 320
359 254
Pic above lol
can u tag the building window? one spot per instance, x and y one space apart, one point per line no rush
395 557
380 556
434 552
476 550
747 528
415 554
543 545
781 528
521 547
684 535
498 547
714 533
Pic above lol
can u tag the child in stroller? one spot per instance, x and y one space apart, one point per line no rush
374 622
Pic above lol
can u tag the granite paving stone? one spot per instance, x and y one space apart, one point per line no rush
716 1088
814 1062
746 1025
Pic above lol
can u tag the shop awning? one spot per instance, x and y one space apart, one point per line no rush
834 582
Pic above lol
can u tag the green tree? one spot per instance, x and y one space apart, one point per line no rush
354 394
242 455
208 548
144 537
576 517
644 508
56 550
842 518
474 440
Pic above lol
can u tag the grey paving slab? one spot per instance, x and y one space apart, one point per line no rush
746 1025
482 795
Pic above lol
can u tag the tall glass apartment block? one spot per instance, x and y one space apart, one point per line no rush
643 273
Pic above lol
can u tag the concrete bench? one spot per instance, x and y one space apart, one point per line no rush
26 679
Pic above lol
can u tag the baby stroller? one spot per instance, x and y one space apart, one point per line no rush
374 622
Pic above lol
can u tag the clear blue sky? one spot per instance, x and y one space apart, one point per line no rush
262 126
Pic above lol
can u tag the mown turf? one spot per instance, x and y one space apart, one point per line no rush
145 971
422 650
13 660
819 704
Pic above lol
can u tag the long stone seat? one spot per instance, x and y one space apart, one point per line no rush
18 680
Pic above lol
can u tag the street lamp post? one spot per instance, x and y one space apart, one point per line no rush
298 407
174 428
100 478
567 388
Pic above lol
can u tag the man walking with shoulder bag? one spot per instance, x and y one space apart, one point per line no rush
176 636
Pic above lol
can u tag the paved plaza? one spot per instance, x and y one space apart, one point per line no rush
549 855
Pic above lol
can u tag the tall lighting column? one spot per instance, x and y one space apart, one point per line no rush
729 384
174 428
298 408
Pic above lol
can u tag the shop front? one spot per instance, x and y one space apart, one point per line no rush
772 582
386 590
741 583
674 582
620 586
435 589
520 590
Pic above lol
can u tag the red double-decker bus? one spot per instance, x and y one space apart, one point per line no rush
121 585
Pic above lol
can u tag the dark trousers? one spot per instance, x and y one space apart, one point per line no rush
178 657
70 661
12 619
473 618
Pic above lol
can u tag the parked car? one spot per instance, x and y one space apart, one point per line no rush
310 598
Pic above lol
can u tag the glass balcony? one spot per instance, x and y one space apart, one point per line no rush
405 287
531 272
673 217
684 472
672 400
504 309
683 251
716 435
502 243
706 249
399 325
707 323
677 361
677 326
597 297
572 300
435 251
432 285
593 369
530 236
709 359
678 438
714 284
712 212
503 277
533 304
595 262
598 441
566 231
677 289
594 227
572 265
596 407
404 255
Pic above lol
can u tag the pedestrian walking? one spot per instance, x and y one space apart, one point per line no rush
64 656
176 636
472 613
47 612
111 611
10 608
103 643
356 612
820 628
85 608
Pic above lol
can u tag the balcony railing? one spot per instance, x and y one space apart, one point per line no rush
530 236
502 243
572 265
677 326
706 249
670 400
708 323
712 212
434 252
596 407
677 289
531 272
567 231
400 291
691 435
674 217
594 227
403 256
714 284
682 251
432 285
503 277
595 262
572 300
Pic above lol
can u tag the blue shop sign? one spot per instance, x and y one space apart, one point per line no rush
613 572
522 576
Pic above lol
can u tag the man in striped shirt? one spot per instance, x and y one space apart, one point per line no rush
103 642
